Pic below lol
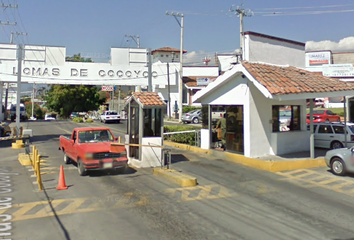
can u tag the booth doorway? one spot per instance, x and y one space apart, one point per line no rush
232 138
134 131
234 129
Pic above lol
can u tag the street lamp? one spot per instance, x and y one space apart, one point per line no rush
180 87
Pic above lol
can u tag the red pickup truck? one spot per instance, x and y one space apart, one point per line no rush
90 148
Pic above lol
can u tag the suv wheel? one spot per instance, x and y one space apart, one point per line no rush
336 144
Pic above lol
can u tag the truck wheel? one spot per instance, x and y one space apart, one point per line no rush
66 158
118 121
81 168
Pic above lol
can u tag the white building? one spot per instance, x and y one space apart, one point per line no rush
253 94
274 50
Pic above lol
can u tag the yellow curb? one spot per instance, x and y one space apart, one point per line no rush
176 177
275 166
267 165
24 159
186 147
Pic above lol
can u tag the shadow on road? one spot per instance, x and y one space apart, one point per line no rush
44 138
175 158
66 234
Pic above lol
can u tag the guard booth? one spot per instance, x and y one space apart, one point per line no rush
145 129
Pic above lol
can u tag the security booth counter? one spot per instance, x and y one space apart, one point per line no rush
145 129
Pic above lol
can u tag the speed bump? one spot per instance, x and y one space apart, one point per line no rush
176 177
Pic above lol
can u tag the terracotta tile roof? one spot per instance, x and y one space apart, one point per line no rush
192 81
167 49
281 80
148 98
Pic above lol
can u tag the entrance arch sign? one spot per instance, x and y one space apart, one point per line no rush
47 65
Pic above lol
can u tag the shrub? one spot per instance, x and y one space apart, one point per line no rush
78 120
89 120
186 138
189 108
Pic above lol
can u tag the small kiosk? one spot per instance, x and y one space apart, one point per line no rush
145 129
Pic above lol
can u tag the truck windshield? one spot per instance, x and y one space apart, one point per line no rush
95 136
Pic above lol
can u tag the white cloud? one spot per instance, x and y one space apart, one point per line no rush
196 58
345 44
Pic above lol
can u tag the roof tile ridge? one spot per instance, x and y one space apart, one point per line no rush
269 64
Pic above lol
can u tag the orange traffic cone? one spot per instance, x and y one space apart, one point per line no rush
61 184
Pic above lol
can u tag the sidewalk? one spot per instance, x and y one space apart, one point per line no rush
268 163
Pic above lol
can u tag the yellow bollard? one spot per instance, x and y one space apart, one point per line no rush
35 161
33 155
119 139
39 178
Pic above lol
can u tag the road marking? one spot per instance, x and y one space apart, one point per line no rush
309 178
199 192
41 209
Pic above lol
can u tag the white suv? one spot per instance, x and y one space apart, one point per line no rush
332 135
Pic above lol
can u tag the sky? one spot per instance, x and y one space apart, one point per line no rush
93 27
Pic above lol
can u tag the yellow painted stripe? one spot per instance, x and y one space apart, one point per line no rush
46 210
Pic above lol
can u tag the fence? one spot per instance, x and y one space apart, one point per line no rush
195 140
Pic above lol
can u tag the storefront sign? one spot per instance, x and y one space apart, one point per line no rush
317 59
338 70
203 81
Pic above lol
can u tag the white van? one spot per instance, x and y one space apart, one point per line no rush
23 115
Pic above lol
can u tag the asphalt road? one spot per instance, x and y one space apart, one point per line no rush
231 201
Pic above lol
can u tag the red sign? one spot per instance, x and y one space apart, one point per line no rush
107 88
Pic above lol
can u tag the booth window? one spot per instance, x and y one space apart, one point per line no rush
152 122
285 118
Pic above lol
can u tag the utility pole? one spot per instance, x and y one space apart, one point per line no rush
241 12
136 39
33 97
17 33
7 23
18 100
149 71
180 85
168 91
119 100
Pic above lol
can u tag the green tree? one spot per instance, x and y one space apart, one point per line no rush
66 99
38 112
78 58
